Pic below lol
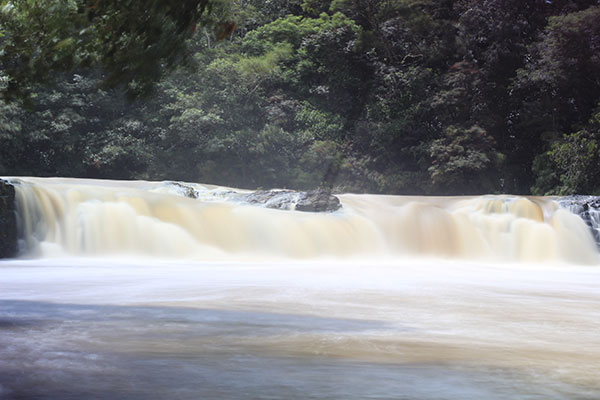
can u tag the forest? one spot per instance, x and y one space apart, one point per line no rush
436 97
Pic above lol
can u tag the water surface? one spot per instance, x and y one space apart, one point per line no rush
402 329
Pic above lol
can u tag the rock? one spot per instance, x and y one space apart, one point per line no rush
318 201
313 201
277 199
185 190
8 220
588 209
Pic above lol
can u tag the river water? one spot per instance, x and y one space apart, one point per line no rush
126 290
111 329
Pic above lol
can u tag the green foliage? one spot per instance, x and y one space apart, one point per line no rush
75 129
558 87
292 29
318 124
577 157
565 67
255 70
133 40
546 179
464 159
571 165
320 165
118 153
396 96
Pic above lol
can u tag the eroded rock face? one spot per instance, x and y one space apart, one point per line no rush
8 220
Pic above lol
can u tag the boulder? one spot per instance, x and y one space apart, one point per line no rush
318 201
185 190
8 220
312 201
277 199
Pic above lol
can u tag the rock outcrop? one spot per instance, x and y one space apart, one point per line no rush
318 201
313 201
8 220
185 190
279 199
588 208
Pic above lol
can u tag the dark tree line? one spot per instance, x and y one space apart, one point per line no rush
392 96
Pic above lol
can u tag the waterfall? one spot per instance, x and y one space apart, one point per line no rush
81 217
588 208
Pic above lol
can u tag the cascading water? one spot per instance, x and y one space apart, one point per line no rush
588 208
160 290
87 217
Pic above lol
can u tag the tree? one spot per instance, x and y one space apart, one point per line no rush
571 165
133 40
565 66
557 90
396 96
464 162
75 129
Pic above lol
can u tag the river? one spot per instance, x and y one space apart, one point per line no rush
81 319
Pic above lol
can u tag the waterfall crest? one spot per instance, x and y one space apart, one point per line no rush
96 218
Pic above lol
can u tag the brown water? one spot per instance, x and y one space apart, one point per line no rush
82 217
250 303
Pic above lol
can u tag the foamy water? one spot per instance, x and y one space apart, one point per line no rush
130 290
80 217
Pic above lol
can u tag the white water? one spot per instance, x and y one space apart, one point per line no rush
82 328
354 304
83 217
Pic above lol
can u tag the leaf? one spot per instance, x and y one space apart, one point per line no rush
64 43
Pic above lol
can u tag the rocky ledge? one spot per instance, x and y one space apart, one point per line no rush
312 201
8 220
588 208
280 199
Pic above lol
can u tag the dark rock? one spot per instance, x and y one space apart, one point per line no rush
277 199
313 201
187 191
318 201
8 220
588 209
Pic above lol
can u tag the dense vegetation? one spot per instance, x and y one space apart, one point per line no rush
394 96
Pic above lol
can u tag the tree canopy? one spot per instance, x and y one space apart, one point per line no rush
132 40
386 96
